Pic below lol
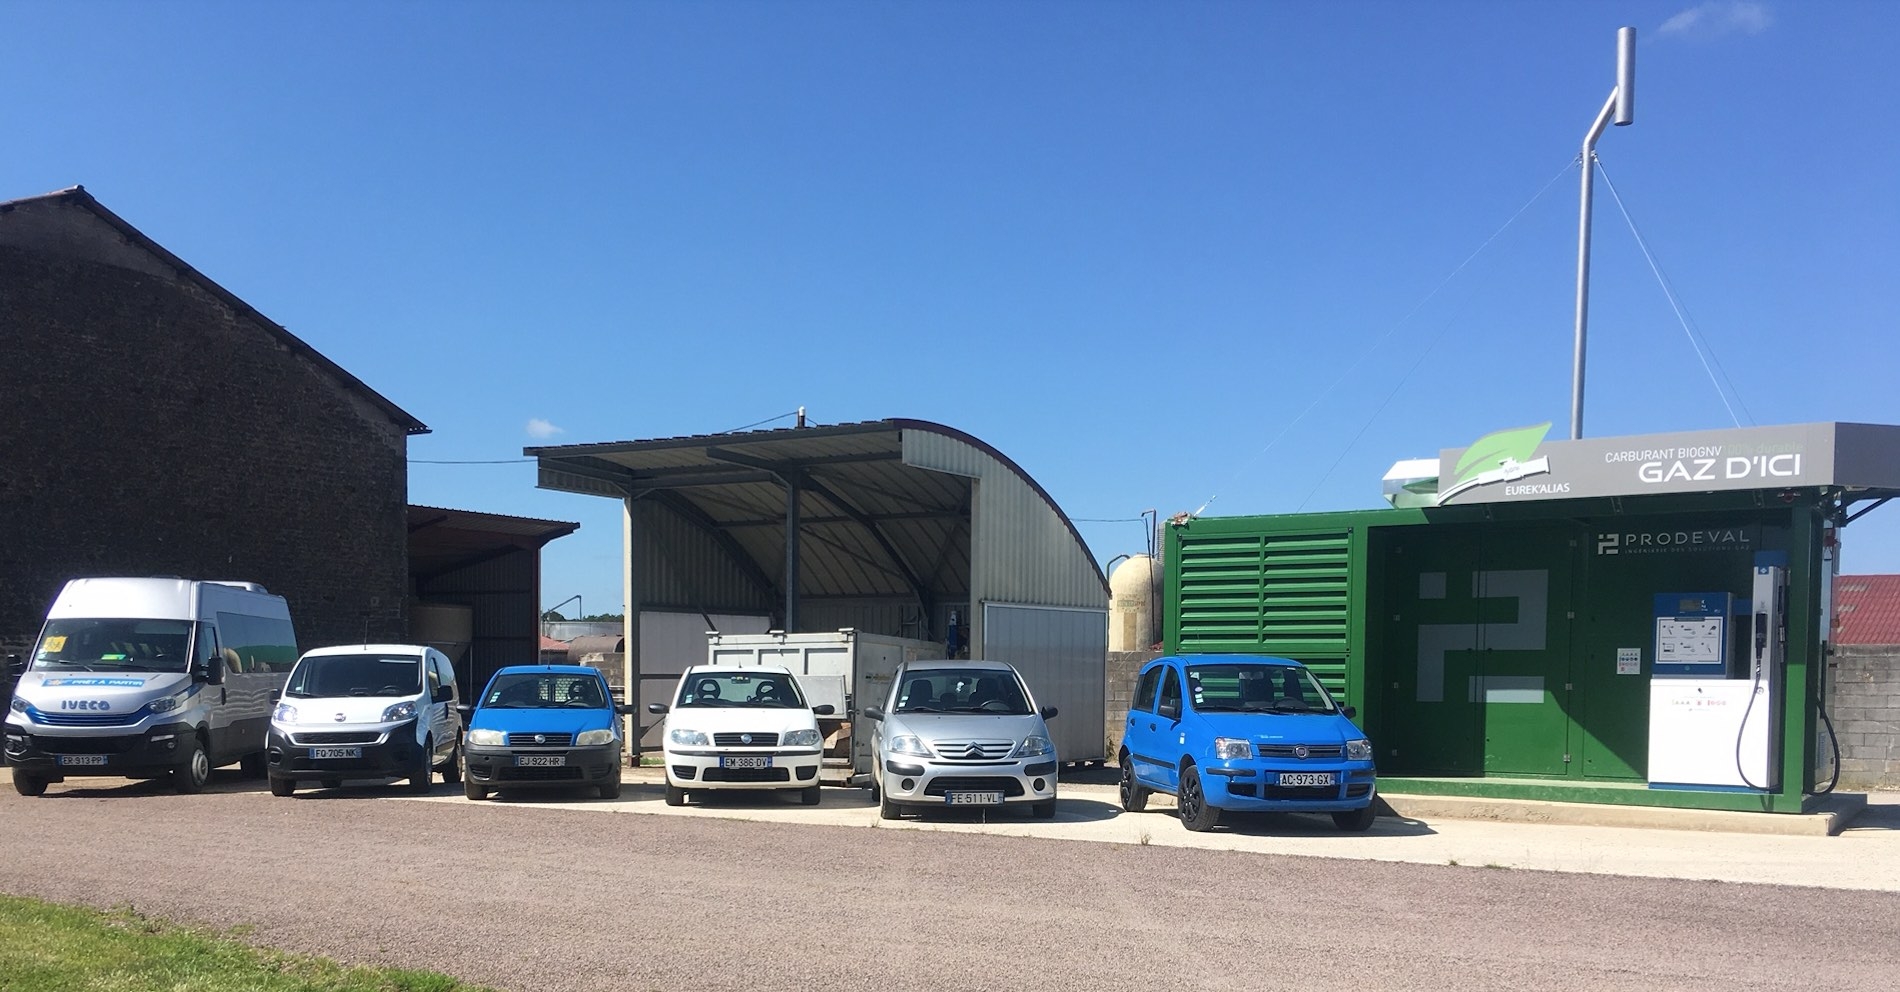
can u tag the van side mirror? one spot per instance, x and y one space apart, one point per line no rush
1350 712
656 707
824 709
442 694
1170 709
210 671
874 713
15 667
1048 712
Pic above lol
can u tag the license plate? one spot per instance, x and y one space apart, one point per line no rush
336 752
1308 778
973 799
746 761
540 760
82 759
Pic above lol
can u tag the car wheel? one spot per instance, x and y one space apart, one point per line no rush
424 769
675 796
1044 811
809 796
283 786
193 771
452 772
1356 820
887 810
1196 814
28 785
610 789
332 783
1134 794
255 765
473 789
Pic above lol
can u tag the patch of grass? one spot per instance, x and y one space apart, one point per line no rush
1493 864
1452 862
1144 839
46 947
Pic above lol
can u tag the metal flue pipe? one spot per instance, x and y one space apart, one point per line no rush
1620 107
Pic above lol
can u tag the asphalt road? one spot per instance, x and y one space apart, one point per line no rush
531 898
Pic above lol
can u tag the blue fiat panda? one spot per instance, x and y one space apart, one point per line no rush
1243 733
547 726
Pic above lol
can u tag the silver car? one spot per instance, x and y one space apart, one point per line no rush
961 733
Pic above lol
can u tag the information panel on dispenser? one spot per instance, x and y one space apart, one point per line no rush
1692 635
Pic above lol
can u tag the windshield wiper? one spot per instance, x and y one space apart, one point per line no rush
298 694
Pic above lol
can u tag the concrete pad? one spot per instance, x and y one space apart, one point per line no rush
1827 821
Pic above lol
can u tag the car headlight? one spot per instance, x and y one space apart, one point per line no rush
1033 745
400 711
487 738
589 738
284 713
688 738
18 705
1232 747
800 738
909 744
1359 750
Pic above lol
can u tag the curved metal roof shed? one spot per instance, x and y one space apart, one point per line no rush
887 526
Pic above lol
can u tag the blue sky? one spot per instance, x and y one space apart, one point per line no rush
1130 245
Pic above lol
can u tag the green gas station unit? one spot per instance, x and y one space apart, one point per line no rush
1634 620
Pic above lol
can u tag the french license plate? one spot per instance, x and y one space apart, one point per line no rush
335 752
1308 778
540 760
82 759
973 799
746 761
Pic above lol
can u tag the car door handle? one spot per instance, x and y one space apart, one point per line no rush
1151 726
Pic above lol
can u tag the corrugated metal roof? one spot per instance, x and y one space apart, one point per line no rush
442 540
872 522
78 196
1867 609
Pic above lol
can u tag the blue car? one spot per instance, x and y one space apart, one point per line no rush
1244 733
546 726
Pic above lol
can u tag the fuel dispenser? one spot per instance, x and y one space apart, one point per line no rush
1714 685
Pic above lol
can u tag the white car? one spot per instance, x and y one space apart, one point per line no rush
740 727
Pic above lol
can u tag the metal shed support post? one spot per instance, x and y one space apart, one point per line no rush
630 631
791 554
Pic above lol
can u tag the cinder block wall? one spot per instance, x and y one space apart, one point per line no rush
148 428
1866 715
1122 667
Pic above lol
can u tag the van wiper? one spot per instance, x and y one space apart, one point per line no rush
297 694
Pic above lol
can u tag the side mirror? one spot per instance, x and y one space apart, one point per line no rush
442 694
1171 710
1350 712
625 709
210 672
873 713
465 709
1048 712
15 667
656 707
824 709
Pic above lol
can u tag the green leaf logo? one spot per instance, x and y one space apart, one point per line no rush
1517 444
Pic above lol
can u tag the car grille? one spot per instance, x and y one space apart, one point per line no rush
1313 751
746 775
337 737
974 783
758 740
512 773
972 750
547 740
57 719
85 745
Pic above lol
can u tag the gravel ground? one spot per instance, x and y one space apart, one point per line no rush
538 899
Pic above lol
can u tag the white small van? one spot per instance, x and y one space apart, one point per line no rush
367 711
149 678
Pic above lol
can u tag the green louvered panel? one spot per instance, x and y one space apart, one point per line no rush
1278 594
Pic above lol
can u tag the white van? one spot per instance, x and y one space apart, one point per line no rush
148 678
367 711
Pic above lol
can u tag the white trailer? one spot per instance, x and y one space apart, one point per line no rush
852 669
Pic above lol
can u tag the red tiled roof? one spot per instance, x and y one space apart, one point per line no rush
1867 609
550 644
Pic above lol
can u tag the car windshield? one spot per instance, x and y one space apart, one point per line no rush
961 690
92 645
545 690
1264 688
755 689
331 675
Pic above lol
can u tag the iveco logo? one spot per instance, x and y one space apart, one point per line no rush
1300 751
540 738
745 738
84 704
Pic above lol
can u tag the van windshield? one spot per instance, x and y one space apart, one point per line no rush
330 675
94 645
957 690
1256 689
